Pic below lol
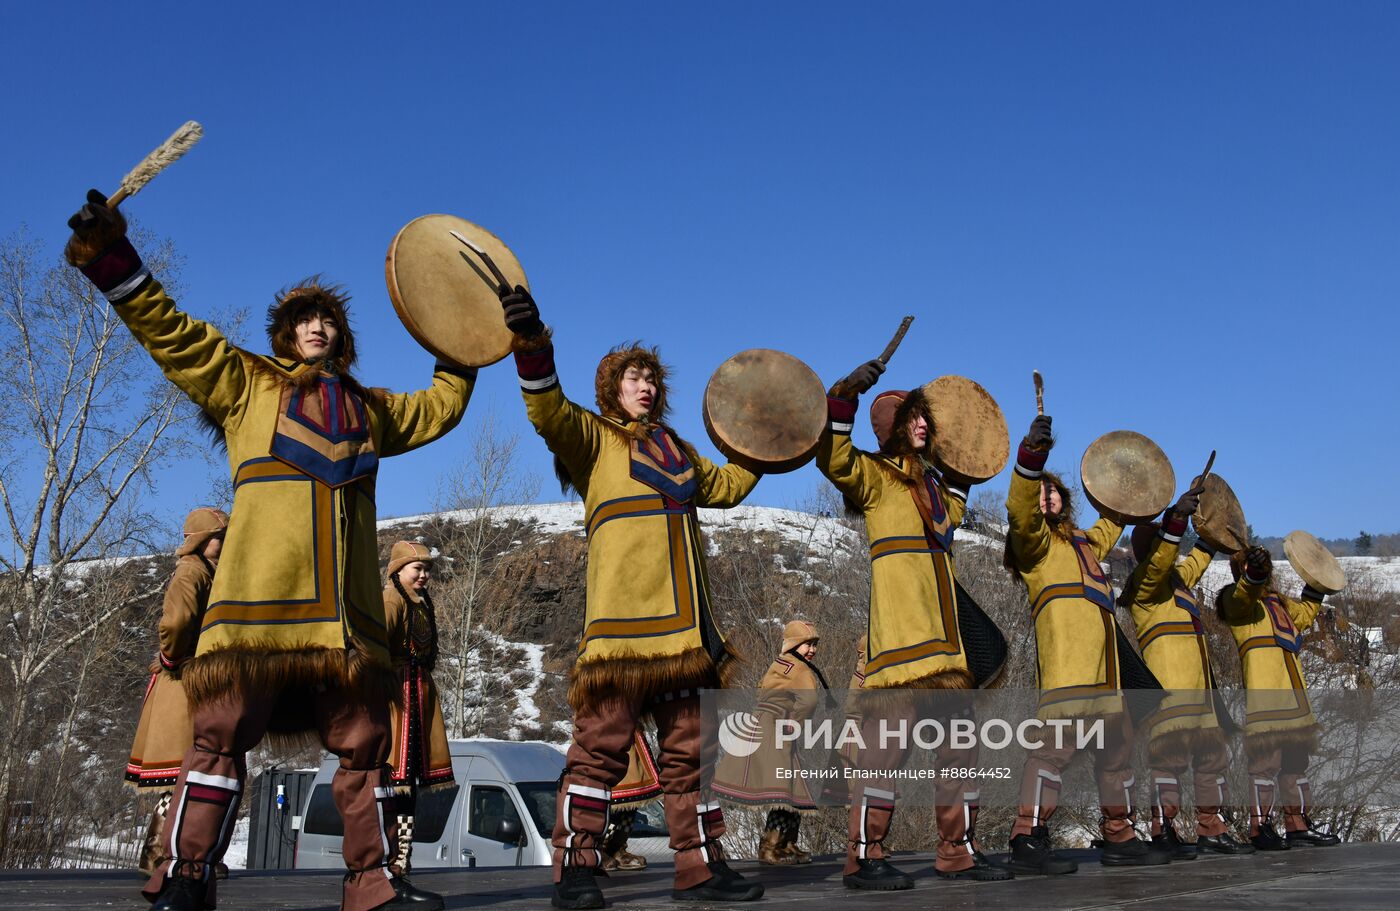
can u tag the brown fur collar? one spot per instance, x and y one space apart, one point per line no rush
290 674
645 678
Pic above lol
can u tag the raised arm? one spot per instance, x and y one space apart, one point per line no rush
845 466
721 486
412 419
1304 610
1027 531
1244 602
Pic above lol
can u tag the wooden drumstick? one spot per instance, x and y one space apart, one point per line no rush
1039 391
164 155
885 356
1201 485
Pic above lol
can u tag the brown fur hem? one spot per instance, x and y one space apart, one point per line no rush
1170 743
1268 741
645 678
219 674
524 344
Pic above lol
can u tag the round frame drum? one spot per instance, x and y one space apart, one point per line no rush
1127 477
1219 520
1314 563
444 293
765 410
970 438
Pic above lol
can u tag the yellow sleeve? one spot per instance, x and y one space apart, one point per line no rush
1026 528
412 419
181 612
1243 604
1303 612
1194 566
722 486
1102 535
1153 575
955 498
572 433
191 353
852 471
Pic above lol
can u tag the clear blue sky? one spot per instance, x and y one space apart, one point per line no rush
1184 214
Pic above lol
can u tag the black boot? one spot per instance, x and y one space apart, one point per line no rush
1133 853
1170 842
1311 838
577 889
982 870
181 894
1032 854
878 875
1222 844
410 894
1268 839
724 885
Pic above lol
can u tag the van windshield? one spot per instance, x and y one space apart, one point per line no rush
539 799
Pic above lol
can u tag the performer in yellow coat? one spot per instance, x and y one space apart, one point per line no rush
419 757
294 638
1185 732
1280 730
1077 660
791 689
649 640
165 732
914 640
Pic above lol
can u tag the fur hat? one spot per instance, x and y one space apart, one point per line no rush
609 379
797 632
311 297
201 525
406 552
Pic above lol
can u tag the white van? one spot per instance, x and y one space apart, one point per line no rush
499 811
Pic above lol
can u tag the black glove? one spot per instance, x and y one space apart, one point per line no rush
859 380
1258 564
522 316
95 227
1187 503
1039 438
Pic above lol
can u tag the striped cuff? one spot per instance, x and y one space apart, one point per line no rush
959 492
841 413
1253 581
1312 594
536 369
1029 463
117 271
1204 548
1173 527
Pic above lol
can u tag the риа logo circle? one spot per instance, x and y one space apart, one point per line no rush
740 734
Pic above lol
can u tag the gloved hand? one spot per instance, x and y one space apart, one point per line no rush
522 316
1187 504
859 380
1258 564
1039 438
95 227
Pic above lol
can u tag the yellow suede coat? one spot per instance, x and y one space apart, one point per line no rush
1268 630
1167 616
434 760
1071 604
299 570
648 627
910 517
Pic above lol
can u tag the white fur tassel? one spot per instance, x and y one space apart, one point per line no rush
180 142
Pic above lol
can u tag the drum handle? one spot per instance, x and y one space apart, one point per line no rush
888 353
1039 391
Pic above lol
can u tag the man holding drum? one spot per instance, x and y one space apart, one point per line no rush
1280 730
1076 656
293 639
649 641
911 513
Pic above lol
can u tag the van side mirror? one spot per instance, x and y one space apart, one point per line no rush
510 832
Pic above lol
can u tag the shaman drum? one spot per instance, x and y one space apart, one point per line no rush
1127 477
969 431
1219 521
445 294
1314 563
765 410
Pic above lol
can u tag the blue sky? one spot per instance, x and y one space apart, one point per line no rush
1184 214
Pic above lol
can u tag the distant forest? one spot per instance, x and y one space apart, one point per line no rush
1365 544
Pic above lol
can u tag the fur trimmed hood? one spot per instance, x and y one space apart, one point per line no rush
311 296
890 413
609 377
